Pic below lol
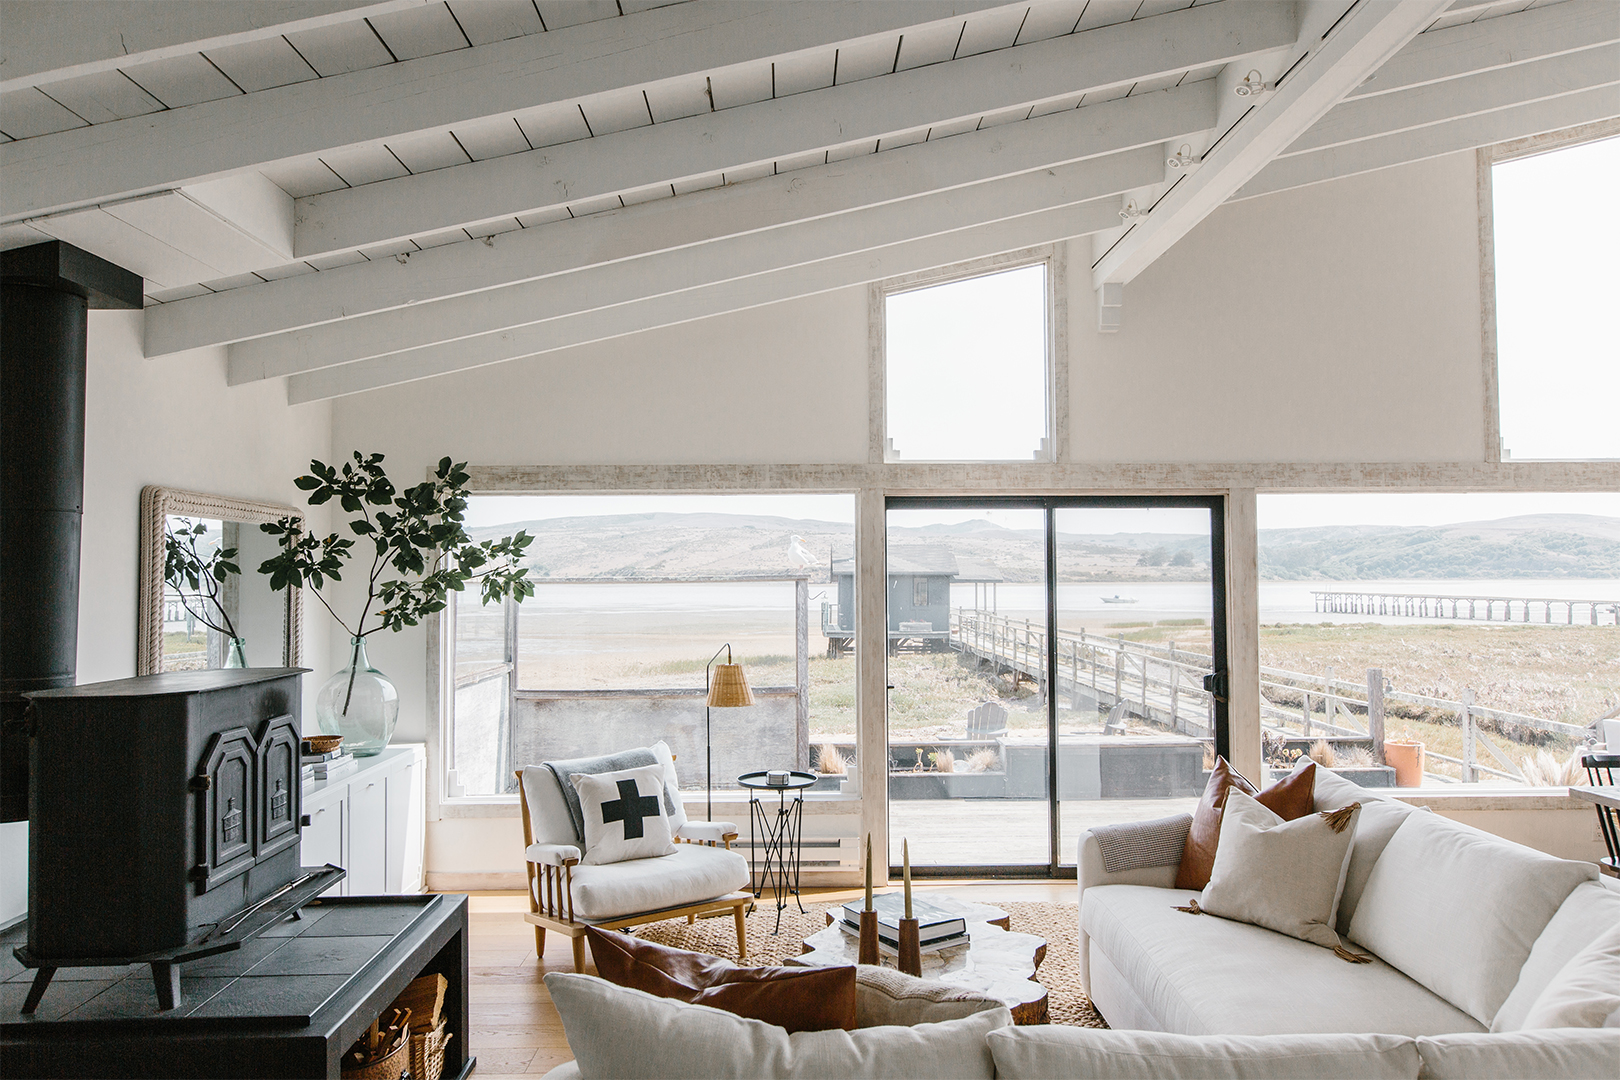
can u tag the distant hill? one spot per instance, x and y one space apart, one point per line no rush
711 545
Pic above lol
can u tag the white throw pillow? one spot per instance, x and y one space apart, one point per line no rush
624 815
1585 915
624 1034
1585 992
1564 1053
1283 875
1457 910
1039 1053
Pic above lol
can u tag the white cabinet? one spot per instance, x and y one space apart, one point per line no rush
370 822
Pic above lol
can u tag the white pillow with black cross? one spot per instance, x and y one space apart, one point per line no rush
624 815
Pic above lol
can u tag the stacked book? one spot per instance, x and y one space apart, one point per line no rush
328 766
936 927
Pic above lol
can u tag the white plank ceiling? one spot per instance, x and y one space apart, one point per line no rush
355 193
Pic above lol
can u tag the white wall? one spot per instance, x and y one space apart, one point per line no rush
1338 322
172 422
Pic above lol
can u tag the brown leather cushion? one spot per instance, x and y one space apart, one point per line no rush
795 998
1291 797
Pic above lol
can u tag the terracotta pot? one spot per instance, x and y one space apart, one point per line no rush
1407 760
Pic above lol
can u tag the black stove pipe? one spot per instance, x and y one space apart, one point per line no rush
46 291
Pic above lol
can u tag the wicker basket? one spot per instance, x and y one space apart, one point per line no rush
391 1066
427 1052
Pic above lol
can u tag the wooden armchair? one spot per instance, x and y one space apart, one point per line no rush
702 878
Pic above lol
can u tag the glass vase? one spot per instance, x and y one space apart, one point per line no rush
236 653
358 703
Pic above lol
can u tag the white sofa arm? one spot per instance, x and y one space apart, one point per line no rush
1091 871
700 832
552 854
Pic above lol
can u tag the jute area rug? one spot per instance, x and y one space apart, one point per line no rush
1057 923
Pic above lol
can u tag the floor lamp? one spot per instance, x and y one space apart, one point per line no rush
727 689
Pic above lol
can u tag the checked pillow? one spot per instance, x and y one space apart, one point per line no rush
624 815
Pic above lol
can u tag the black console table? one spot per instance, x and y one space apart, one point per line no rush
286 1004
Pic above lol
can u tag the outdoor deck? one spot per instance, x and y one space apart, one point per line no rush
974 832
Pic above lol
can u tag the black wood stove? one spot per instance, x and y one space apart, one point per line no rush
165 819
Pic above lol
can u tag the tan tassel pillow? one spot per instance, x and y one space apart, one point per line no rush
1284 875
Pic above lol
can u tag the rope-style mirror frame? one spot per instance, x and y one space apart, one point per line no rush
157 503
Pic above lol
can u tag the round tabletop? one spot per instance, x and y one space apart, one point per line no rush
796 781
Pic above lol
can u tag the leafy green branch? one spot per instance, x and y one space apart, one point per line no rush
184 567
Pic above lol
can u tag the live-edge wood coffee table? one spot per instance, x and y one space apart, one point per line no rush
995 961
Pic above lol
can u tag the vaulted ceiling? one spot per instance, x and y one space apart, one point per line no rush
353 194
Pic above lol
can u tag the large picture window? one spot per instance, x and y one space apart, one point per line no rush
633 597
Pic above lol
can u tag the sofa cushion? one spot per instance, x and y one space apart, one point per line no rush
1589 910
1458 909
1202 975
1038 1053
1572 1053
687 876
672 786
1283 875
792 998
616 1032
1586 992
1288 798
1380 817
886 996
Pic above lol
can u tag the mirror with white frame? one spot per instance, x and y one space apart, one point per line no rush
174 632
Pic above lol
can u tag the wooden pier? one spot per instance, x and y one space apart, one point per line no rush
1434 606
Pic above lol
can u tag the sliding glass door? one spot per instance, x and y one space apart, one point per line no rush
1050 668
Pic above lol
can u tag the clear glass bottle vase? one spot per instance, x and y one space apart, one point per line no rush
236 653
358 703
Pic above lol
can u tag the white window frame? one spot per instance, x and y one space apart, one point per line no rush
1053 256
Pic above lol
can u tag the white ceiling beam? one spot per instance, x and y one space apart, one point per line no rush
1495 43
50 42
483 314
1357 45
1433 103
1468 133
756 134
1049 226
214 138
694 218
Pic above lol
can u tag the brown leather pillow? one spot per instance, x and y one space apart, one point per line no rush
795 998
1292 797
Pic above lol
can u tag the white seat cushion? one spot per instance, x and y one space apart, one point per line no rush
1200 975
1586 913
690 875
1458 909
626 1034
1039 1053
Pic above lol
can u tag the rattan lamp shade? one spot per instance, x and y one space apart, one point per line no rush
728 689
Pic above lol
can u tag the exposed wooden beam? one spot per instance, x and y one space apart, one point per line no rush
1029 231
1487 91
1355 47
852 113
484 314
698 217
211 139
1493 43
1552 114
47 43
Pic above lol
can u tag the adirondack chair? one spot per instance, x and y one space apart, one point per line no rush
988 721
1115 724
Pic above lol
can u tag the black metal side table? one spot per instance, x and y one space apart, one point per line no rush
783 836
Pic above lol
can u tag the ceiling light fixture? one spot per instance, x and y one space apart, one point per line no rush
1184 159
1253 85
1131 213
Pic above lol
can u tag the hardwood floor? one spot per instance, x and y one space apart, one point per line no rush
516 1029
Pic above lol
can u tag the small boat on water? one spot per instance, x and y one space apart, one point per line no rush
1118 599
